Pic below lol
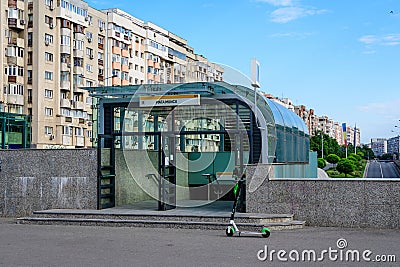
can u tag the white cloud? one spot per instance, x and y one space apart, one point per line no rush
278 2
388 39
390 108
372 41
298 35
287 14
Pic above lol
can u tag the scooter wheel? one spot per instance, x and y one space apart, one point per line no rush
265 232
229 231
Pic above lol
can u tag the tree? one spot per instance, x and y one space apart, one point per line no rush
345 166
331 146
321 163
332 158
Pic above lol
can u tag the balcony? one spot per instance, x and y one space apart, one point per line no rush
80 141
100 62
116 50
65 66
12 79
65 103
78 69
125 68
65 85
79 53
78 105
12 60
16 99
100 46
125 53
65 49
116 65
67 140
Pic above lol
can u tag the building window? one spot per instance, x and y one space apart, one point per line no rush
14 108
65 76
48 38
89 68
116 72
65 40
48 20
78 44
48 93
89 133
48 3
14 89
65 23
29 59
30 39
89 51
48 112
48 56
67 130
78 131
48 130
89 35
48 75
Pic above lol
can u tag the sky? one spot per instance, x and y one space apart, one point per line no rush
338 57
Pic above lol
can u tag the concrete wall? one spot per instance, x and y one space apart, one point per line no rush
44 179
326 202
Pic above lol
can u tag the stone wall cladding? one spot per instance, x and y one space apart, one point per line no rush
371 203
45 179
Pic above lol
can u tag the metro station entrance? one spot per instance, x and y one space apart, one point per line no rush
172 151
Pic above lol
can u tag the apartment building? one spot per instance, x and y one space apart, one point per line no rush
393 145
353 136
379 146
54 48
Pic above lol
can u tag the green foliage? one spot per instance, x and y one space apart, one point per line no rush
361 154
332 158
321 163
345 166
386 156
331 146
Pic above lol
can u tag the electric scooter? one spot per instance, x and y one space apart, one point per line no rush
232 228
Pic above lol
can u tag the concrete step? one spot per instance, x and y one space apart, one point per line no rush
273 226
170 216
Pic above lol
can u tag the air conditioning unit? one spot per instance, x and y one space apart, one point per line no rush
69 65
22 22
89 40
46 42
91 56
51 137
87 18
51 25
90 123
101 29
51 7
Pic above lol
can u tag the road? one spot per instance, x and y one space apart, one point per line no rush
41 245
381 169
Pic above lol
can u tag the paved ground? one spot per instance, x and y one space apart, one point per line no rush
37 245
381 169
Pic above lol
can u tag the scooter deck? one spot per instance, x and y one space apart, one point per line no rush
249 233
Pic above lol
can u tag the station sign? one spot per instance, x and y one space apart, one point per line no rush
169 100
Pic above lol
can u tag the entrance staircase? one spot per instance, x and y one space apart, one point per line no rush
190 218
